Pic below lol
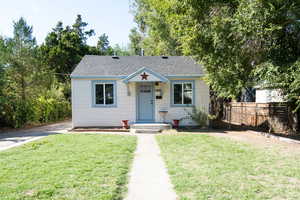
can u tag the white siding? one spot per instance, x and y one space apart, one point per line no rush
84 115
268 95
201 102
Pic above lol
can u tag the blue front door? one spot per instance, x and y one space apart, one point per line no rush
145 100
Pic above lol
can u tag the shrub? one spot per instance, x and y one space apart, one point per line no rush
199 116
15 112
50 109
49 106
52 106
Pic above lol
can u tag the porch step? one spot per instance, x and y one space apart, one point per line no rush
151 131
149 128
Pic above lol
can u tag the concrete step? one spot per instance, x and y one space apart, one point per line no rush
149 127
150 131
160 126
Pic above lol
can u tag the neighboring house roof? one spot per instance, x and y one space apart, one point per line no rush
93 66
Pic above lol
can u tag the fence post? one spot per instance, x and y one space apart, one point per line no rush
241 113
230 111
255 115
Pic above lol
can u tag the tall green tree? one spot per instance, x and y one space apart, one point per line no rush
152 22
135 41
103 45
121 50
65 46
235 40
25 75
3 51
79 28
21 57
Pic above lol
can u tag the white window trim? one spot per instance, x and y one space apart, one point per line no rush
104 82
182 82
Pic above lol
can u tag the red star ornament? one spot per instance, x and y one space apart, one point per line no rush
144 76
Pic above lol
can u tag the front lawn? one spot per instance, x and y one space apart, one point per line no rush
67 167
206 167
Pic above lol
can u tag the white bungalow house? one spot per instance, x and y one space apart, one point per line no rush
141 89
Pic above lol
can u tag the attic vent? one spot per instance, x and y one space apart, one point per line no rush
115 57
164 57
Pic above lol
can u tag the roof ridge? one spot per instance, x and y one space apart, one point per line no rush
98 65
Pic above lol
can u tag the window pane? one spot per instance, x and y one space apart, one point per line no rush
177 93
187 86
109 93
187 97
99 94
188 93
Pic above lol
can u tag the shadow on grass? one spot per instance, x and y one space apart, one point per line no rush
201 130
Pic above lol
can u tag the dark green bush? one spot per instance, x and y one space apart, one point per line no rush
50 106
50 109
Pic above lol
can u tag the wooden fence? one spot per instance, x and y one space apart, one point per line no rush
274 117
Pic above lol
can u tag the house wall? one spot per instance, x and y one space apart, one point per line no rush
84 115
201 102
268 95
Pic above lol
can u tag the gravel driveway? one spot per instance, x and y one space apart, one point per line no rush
11 139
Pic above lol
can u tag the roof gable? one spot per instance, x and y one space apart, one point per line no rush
145 75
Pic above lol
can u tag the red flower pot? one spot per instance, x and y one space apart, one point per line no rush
176 123
125 124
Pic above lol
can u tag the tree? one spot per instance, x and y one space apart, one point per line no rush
21 58
2 79
3 51
121 51
65 46
79 28
24 75
233 39
153 24
135 41
103 45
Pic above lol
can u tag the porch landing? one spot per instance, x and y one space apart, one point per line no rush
149 127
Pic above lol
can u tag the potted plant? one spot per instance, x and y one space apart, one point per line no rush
125 124
176 123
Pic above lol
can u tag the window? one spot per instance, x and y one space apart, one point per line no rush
104 93
182 93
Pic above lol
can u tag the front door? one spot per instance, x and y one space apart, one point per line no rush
145 110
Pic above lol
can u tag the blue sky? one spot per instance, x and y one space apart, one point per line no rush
104 16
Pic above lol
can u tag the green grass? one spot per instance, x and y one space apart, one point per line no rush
206 167
67 167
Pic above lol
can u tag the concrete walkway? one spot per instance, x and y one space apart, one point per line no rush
149 178
11 139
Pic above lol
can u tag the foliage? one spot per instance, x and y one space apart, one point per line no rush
2 74
35 85
199 116
65 46
25 79
284 77
51 106
121 51
68 166
103 45
233 39
153 23
135 41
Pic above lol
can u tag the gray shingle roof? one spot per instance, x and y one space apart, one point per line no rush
126 65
